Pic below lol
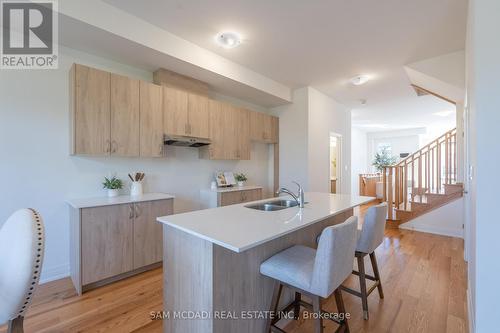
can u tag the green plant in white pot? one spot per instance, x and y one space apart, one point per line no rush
383 159
113 185
240 178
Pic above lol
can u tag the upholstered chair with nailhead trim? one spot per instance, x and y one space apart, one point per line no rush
22 242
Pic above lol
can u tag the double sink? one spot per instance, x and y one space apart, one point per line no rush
274 205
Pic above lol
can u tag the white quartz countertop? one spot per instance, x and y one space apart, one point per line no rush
232 189
122 199
239 228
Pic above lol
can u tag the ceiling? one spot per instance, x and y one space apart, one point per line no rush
324 43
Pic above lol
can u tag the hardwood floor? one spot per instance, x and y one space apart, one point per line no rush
423 275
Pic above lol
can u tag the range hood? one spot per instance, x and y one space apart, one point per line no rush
185 141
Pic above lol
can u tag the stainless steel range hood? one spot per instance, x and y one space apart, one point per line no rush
184 141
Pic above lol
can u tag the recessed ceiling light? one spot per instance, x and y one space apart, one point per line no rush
443 113
228 39
360 79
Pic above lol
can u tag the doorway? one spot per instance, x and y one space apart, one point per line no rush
335 163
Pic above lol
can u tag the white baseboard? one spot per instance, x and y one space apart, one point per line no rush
433 229
54 273
470 311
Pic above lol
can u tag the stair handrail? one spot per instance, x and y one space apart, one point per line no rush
435 141
425 168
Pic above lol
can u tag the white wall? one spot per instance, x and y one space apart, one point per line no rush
402 141
37 170
305 127
359 157
483 100
446 220
293 133
326 116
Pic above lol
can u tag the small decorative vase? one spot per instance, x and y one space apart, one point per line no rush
112 193
240 184
136 189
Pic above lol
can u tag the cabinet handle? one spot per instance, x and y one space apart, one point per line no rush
113 147
161 149
137 211
108 146
131 211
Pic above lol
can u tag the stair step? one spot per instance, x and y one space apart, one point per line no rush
453 188
434 198
419 206
404 215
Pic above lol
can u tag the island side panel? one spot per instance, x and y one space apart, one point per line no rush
75 248
187 280
238 284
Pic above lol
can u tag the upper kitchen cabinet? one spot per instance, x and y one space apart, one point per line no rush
90 114
185 113
263 128
229 133
198 123
125 126
151 122
175 115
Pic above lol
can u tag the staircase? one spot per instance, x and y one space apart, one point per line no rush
423 181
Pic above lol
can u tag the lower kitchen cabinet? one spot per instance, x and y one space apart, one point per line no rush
230 196
112 242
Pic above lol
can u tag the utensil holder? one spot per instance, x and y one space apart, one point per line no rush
136 189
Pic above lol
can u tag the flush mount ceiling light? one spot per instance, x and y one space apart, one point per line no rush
228 40
360 79
443 113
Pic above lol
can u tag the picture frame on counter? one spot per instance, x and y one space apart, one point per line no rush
225 178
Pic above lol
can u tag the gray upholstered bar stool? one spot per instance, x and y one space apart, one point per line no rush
369 238
314 273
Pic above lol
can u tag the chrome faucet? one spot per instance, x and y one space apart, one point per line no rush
298 198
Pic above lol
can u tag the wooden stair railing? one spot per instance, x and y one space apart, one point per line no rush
426 171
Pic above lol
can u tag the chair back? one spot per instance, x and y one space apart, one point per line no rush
372 233
21 254
334 257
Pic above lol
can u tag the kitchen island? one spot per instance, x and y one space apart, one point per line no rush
212 257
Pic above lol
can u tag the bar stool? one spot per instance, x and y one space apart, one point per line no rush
314 273
370 237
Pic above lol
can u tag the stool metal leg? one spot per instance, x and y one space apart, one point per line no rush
318 322
278 287
296 307
362 284
341 308
373 259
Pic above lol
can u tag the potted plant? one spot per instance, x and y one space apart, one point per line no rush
383 159
112 185
240 178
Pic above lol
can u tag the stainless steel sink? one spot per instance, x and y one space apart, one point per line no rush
273 205
284 203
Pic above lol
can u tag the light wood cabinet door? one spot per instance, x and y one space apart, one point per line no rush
237 197
198 124
148 240
125 125
106 242
263 128
90 110
229 132
252 195
175 111
242 134
151 120
216 150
